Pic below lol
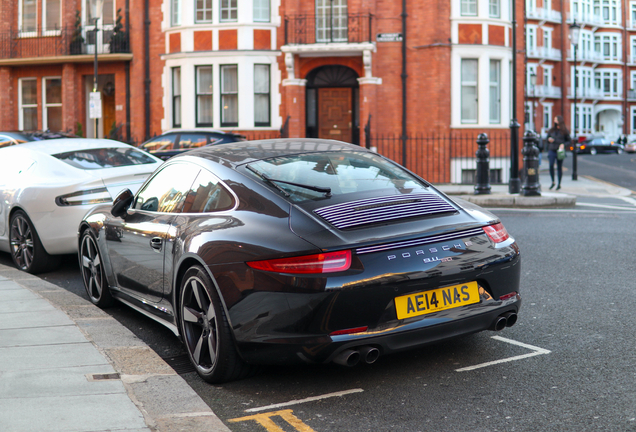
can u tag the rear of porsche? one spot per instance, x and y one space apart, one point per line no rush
388 272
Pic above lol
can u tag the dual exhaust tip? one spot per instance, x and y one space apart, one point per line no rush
352 357
504 320
369 354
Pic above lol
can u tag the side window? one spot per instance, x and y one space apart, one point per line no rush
165 142
190 141
207 195
166 191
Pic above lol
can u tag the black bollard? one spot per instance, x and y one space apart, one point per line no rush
531 185
482 179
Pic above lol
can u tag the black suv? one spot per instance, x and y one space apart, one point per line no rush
177 141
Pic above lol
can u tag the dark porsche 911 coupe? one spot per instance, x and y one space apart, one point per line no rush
299 250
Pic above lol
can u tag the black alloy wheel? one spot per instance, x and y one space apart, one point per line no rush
205 330
92 269
27 251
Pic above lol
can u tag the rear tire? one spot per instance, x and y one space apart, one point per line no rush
206 332
27 251
92 268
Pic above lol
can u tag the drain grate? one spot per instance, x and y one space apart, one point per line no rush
103 377
181 364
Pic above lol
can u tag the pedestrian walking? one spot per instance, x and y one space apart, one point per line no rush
558 139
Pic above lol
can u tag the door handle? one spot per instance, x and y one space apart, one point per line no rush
156 243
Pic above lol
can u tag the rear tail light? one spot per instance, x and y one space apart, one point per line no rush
508 296
87 197
349 331
497 232
308 264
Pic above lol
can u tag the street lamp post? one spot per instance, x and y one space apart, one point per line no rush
533 83
574 38
96 12
514 184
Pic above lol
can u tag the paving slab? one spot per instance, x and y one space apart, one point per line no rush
22 337
31 305
49 357
103 412
61 382
9 320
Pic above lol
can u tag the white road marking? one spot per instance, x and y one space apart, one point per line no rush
627 199
300 401
606 206
536 351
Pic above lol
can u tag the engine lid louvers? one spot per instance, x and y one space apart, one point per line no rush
374 210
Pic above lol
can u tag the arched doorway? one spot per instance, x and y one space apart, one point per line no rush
332 104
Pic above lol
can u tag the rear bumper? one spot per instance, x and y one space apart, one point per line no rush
405 336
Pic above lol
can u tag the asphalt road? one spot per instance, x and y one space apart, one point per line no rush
619 169
567 365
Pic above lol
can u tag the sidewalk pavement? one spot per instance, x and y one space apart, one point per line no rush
565 197
67 366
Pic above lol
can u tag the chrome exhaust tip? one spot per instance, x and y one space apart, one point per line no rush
511 318
347 358
369 354
499 323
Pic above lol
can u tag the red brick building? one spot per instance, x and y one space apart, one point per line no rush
605 64
338 69
47 66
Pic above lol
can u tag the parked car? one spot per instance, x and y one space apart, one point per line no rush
299 250
46 188
177 141
13 138
631 147
599 145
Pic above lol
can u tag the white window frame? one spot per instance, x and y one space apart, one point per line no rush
225 92
22 106
46 104
532 68
613 42
469 84
494 8
547 75
632 123
547 116
198 93
231 8
631 23
261 10
494 90
54 31
585 125
611 77
176 96
207 9
175 13
21 30
547 37
529 110
531 37
268 93
466 7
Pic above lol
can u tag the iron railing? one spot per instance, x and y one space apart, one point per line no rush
447 158
65 41
336 28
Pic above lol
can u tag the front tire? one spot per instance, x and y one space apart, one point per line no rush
92 268
27 251
593 151
206 331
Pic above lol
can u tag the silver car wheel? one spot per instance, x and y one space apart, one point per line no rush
93 271
200 325
22 244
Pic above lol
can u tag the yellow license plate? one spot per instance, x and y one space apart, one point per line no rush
436 300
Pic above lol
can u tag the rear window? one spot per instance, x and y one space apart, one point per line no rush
341 172
105 158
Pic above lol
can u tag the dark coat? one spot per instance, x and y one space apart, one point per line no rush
559 138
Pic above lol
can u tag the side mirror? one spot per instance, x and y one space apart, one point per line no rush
122 202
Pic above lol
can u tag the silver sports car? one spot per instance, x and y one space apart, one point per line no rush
46 188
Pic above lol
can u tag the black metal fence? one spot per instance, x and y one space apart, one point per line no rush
311 29
64 41
446 158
